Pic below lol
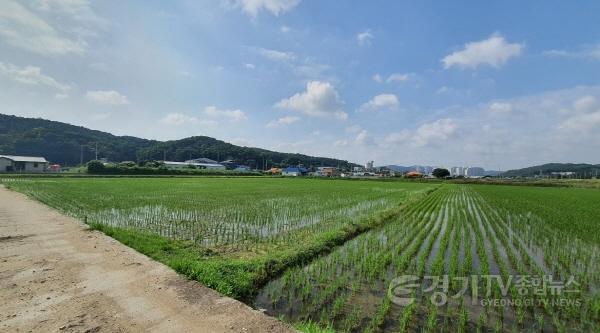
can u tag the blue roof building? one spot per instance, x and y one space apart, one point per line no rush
294 171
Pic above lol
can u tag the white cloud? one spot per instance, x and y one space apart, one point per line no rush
381 102
494 51
398 137
22 28
249 66
320 99
364 38
435 132
276 55
394 77
398 77
177 119
501 107
340 143
240 142
586 51
311 70
442 90
78 10
107 97
585 103
275 7
282 122
363 138
31 75
582 123
353 129
232 115
285 29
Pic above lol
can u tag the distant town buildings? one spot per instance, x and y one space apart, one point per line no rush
426 170
563 174
457 171
474 172
471 172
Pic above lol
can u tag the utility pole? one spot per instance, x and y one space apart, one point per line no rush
96 151
81 155
164 155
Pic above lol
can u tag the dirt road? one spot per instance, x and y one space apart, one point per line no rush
57 276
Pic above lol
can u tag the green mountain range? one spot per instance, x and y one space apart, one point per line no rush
582 170
69 145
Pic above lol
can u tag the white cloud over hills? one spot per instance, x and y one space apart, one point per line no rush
320 99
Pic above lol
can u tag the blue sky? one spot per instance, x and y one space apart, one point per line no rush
501 85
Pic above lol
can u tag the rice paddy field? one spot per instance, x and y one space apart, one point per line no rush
233 234
363 256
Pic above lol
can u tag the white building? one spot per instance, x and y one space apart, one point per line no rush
474 172
457 171
369 165
183 165
10 163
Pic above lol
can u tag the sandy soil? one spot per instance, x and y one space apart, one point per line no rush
57 276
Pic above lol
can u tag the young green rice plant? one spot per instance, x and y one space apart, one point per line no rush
431 324
379 316
407 316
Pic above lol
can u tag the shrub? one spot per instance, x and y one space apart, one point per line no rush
95 167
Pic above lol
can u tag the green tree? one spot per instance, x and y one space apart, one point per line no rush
95 167
441 173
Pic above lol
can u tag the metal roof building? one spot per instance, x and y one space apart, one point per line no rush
12 163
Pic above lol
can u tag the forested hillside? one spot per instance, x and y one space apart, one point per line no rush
66 144
581 170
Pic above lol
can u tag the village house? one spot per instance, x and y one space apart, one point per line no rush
294 171
10 163
327 172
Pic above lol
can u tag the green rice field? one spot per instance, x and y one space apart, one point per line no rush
335 255
233 234
459 231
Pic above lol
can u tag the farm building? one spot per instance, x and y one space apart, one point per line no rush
202 160
413 174
229 164
182 165
54 168
274 171
242 168
10 163
327 172
294 171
